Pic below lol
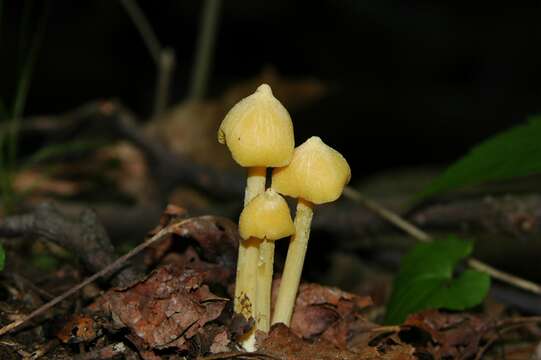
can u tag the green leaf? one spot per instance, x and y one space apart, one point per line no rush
513 153
425 280
2 257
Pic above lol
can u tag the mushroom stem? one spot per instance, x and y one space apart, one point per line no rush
255 183
246 280
264 284
296 252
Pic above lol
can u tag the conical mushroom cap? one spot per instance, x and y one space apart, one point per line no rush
266 217
317 173
258 131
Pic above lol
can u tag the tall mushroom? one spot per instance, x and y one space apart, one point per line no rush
266 217
259 133
317 174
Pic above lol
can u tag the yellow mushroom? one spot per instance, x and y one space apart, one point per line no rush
317 174
259 133
266 217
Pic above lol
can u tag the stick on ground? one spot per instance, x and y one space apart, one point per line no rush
170 229
420 235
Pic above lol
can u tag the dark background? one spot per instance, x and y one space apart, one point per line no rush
412 83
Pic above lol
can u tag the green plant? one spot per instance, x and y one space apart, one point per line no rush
510 154
11 117
426 280
2 257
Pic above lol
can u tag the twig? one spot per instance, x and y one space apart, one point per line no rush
504 277
164 58
388 215
205 47
507 324
387 329
44 349
109 268
420 235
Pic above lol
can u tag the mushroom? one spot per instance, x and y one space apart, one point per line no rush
259 133
317 174
266 217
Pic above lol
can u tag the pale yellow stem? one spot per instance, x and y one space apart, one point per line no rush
255 183
264 285
296 252
246 281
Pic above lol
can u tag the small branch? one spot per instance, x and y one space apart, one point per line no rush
420 235
108 269
205 49
505 277
388 215
164 58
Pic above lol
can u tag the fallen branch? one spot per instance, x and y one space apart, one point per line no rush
172 170
170 229
84 236
420 235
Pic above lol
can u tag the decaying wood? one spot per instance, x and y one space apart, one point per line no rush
84 236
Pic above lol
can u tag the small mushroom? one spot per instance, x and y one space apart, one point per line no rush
317 174
266 217
259 133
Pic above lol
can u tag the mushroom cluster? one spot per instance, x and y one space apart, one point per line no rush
259 133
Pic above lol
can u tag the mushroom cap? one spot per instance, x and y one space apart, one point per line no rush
317 173
258 131
267 216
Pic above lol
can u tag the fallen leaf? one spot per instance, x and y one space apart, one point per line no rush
455 335
283 343
325 311
217 237
165 310
79 328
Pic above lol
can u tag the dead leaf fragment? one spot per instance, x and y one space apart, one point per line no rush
79 328
282 343
165 310
325 312
455 335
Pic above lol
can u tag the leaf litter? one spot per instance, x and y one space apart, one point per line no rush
183 308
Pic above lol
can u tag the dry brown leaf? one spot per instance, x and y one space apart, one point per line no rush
455 335
79 328
325 312
216 238
283 343
165 310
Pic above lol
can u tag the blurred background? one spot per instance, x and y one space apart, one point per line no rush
402 84
114 105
